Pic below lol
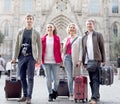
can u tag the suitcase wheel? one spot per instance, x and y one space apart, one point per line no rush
75 100
83 101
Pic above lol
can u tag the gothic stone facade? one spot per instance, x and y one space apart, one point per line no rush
59 12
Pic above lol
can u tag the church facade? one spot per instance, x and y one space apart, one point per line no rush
60 12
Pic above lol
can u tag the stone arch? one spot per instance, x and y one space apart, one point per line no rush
6 27
61 22
6 46
113 41
115 23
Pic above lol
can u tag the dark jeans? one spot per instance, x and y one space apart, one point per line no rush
94 84
26 67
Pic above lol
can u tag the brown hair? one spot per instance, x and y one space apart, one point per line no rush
55 30
29 15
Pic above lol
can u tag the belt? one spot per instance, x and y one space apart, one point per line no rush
27 54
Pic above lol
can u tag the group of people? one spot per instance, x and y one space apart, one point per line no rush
30 49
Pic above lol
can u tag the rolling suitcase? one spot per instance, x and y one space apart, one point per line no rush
106 75
63 88
80 88
13 84
63 83
12 88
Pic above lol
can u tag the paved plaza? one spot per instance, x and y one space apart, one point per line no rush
109 94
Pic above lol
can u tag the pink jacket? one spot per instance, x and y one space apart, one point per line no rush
57 52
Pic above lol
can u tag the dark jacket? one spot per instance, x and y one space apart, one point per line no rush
98 46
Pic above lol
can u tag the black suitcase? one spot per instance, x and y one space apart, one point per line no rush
63 83
13 85
63 88
106 75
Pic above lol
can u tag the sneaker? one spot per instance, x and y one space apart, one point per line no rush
23 99
98 99
71 98
28 101
92 101
50 97
55 94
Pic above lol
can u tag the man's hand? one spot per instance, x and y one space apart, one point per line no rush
103 64
79 64
38 62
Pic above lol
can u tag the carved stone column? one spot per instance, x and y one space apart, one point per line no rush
37 15
106 30
15 21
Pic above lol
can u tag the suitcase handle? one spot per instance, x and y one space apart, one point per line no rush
13 65
13 72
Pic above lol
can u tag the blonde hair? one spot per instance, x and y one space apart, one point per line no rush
76 28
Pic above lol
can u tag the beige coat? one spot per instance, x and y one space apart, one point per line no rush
76 53
36 45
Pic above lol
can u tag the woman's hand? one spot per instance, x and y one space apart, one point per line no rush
38 62
78 64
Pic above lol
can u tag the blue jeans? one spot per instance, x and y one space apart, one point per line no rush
52 75
26 66
68 67
94 84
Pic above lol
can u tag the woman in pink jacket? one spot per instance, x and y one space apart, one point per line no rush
51 59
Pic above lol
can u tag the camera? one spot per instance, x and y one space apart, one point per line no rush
24 49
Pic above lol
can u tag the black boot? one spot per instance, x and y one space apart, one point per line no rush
55 94
50 97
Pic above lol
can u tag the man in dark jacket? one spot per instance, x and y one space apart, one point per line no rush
93 49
